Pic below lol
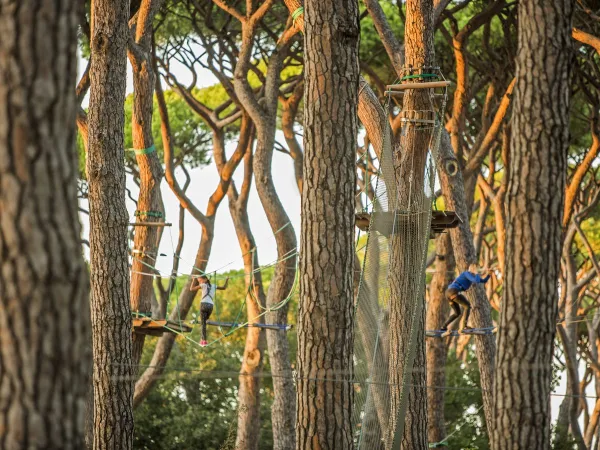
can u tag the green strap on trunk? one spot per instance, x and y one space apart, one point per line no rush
422 75
143 151
297 13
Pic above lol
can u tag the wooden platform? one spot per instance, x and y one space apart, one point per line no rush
440 221
444 220
471 332
423 85
156 327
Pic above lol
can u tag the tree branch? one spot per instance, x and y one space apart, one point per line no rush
391 44
575 184
586 38
477 158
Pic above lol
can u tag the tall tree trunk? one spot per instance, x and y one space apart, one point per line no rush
282 284
569 408
408 246
44 287
264 116
248 431
437 351
111 313
535 201
464 255
325 313
146 239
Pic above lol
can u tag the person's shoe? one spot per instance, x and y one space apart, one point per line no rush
446 332
203 343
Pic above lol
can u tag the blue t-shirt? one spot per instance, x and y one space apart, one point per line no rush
466 279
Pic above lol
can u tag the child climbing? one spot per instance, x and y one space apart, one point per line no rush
461 284
208 299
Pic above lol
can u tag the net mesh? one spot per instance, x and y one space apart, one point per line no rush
390 295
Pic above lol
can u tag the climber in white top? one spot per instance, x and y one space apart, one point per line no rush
208 299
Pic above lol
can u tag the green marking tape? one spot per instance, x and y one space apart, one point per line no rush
143 151
297 13
422 75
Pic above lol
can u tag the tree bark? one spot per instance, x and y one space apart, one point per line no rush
288 117
146 239
44 284
437 351
535 202
264 117
325 313
567 331
408 246
111 313
248 431
464 254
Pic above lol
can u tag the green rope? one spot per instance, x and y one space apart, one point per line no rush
143 151
421 75
296 14
241 325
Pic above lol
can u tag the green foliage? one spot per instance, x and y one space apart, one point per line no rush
562 440
462 405
171 23
372 52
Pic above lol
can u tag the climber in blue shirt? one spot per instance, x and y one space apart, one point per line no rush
462 283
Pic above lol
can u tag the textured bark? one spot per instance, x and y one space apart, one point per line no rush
370 112
44 309
248 431
111 313
437 351
146 239
325 313
535 202
464 254
416 421
407 246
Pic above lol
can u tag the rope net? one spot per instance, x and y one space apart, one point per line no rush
389 312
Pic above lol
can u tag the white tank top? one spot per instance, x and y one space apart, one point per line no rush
208 293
